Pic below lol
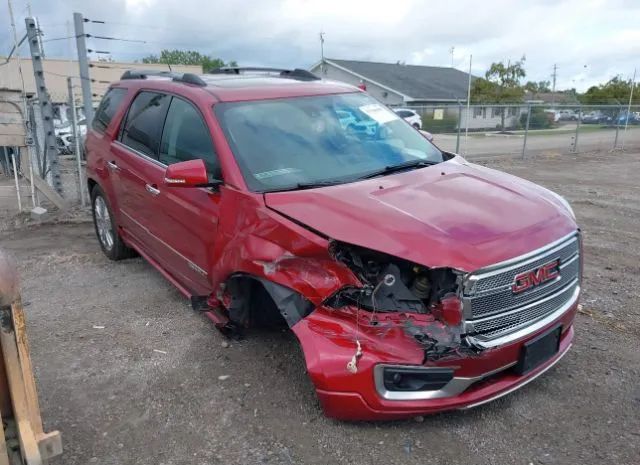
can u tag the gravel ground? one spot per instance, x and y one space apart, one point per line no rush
131 375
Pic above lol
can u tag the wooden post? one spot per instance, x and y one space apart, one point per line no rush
35 446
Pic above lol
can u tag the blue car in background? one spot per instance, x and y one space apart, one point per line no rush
634 118
363 126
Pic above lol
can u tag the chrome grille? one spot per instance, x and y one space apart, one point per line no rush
488 327
505 276
504 299
493 311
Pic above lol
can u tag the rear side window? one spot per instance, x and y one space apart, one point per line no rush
143 126
186 137
404 113
108 106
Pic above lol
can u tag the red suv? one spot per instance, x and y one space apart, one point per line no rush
415 281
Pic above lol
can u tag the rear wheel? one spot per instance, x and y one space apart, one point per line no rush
106 229
416 125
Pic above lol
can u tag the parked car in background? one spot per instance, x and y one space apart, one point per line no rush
350 122
634 118
567 115
410 117
553 115
596 117
64 136
414 280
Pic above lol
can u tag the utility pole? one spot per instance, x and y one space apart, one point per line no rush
451 50
626 121
46 109
76 141
466 129
322 70
83 63
553 89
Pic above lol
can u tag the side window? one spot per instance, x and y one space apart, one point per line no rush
144 122
186 137
108 106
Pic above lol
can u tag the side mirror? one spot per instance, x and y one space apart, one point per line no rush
190 173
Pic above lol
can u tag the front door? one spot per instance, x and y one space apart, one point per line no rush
138 171
187 220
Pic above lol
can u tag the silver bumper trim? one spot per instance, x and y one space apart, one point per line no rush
454 387
518 386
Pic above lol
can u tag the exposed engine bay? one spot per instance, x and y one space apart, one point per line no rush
392 284
395 285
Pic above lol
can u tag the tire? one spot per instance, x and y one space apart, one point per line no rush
417 126
106 228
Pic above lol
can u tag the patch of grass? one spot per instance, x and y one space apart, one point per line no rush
583 128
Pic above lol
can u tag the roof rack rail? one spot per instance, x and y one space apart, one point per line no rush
297 73
187 78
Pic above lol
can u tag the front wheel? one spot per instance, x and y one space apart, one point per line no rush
106 229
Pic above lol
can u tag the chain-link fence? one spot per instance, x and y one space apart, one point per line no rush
529 129
488 130
25 165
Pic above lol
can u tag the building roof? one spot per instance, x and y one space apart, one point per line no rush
413 81
56 72
561 97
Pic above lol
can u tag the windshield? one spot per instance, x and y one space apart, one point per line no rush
286 143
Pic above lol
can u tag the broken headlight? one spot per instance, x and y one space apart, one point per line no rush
392 284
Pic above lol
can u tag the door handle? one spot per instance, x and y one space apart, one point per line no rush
151 189
112 166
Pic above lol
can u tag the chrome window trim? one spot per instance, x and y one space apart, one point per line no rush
456 386
530 327
140 154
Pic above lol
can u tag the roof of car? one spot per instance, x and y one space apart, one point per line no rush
229 86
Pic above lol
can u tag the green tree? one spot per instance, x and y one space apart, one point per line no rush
538 87
188 57
614 91
501 84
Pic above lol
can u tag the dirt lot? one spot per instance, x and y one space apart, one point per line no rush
130 374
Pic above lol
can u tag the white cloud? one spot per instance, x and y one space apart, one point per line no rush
604 35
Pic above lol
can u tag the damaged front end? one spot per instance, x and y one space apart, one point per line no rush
424 301
381 318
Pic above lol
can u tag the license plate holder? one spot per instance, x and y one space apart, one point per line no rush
537 351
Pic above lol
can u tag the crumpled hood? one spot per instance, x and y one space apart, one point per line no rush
454 214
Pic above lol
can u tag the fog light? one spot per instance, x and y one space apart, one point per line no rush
416 378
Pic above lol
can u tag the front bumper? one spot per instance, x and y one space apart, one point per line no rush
328 345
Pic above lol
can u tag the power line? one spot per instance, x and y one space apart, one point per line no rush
114 38
99 81
59 38
93 65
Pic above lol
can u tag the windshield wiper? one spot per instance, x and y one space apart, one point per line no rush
407 165
309 185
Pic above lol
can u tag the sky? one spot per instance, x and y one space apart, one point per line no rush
590 41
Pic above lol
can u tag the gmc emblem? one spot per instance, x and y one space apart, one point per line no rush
537 276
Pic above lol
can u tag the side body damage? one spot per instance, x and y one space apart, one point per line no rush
351 308
415 281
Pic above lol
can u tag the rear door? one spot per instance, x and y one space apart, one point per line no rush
98 142
137 168
186 220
